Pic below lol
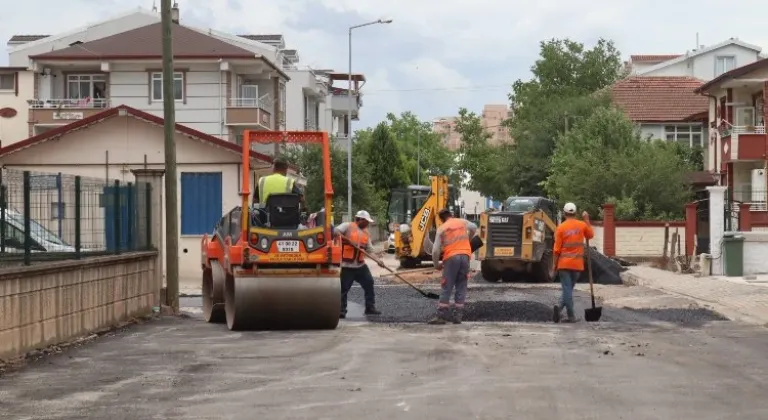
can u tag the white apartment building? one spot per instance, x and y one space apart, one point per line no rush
224 84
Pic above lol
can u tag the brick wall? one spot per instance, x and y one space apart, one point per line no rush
637 239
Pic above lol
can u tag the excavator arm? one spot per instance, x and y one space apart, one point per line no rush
411 243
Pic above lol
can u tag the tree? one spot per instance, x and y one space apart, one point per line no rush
310 163
567 86
384 159
603 159
420 148
483 163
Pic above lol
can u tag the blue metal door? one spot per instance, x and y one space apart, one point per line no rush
126 197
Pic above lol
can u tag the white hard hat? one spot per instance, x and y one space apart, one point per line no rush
362 214
569 208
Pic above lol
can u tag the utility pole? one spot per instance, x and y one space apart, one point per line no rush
418 157
171 180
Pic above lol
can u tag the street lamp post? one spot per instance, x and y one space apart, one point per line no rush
349 114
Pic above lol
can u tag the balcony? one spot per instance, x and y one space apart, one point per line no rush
64 111
744 142
250 112
340 102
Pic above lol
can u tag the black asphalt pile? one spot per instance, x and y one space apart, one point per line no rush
404 305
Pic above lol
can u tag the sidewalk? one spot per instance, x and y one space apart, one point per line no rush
735 299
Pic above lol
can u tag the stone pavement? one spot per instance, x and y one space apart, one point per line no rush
736 300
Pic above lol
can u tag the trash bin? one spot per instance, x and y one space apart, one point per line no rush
733 254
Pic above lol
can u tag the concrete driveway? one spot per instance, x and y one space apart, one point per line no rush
642 362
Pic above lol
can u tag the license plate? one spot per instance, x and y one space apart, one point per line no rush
503 252
288 246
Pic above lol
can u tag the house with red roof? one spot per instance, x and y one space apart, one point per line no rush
108 144
738 143
664 107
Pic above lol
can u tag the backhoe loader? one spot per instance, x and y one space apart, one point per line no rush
413 218
518 240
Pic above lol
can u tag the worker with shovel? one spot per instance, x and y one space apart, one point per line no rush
453 241
353 266
568 255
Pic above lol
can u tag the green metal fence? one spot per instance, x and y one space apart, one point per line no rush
55 216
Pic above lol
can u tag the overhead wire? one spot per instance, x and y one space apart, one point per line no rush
439 89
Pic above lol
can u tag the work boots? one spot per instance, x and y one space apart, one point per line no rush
458 314
441 318
371 310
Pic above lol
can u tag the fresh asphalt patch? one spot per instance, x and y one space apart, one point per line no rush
401 304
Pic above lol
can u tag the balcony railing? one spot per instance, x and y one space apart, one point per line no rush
310 125
264 102
85 103
742 129
756 198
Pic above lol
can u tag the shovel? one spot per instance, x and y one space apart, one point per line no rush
428 295
594 313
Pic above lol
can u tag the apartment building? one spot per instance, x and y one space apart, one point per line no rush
492 119
225 83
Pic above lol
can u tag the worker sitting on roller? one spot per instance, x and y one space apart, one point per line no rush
277 182
452 240
568 257
353 266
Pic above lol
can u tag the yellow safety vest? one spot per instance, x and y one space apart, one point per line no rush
273 184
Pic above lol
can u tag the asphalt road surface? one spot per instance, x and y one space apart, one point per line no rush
680 363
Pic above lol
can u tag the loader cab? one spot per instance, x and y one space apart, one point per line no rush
526 204
405 202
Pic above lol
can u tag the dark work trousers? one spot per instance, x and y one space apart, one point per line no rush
362 276
455 278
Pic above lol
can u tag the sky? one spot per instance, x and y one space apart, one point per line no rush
437 55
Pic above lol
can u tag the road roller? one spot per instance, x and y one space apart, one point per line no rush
262 268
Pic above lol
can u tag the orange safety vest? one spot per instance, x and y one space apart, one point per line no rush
358 237
454 238
569 244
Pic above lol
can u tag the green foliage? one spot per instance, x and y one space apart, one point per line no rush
483 163
603 159
309 160
384 159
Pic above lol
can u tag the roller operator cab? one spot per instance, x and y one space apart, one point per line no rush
412 218
518 240
263 268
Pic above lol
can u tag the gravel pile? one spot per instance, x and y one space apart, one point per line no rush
688 317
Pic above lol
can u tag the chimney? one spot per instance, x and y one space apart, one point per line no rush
175 12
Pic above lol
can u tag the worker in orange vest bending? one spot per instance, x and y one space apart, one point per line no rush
568 254
452 240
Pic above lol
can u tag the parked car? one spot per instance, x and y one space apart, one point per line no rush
391 243
43 240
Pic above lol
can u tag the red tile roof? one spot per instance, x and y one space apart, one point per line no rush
653 58
113 112
146 43
659 99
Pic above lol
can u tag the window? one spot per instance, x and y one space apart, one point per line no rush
58 211
201 202
8 81
724 64
88 86
157 86
745 116
689 135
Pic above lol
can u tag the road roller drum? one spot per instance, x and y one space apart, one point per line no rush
282 303
213 293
